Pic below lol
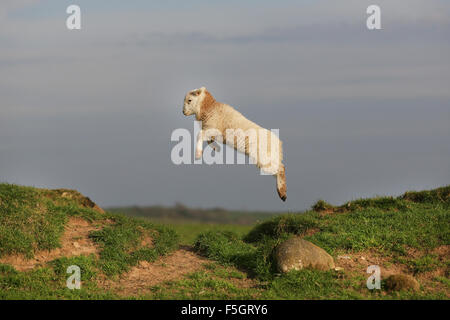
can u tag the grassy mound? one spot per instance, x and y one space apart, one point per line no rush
409 234
402 231
33 221
413 220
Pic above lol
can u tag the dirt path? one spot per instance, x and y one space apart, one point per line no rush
145 275
74 242
358 262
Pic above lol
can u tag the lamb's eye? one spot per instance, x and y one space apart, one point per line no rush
190 100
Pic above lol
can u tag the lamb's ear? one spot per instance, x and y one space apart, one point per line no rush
196 92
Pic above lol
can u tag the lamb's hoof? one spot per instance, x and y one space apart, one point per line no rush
282 197
282 194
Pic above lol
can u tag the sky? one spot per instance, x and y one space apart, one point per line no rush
360 112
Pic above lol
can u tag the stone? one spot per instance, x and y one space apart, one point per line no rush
400 281
296 254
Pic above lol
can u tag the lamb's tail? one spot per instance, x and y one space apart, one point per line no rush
281 182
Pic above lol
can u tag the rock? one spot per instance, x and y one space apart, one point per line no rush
76 245
398 282
296 254
339 269
344 257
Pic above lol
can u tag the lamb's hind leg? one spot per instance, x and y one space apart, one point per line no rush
281 183
280 174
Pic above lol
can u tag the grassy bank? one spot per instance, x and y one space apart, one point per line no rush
43 232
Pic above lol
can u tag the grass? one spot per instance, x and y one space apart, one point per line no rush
387 225
205 286
404 231
120 243
33 219
181 213
426 263
49 282
189 230
227 248
384 224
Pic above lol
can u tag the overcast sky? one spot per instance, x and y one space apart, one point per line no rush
361 113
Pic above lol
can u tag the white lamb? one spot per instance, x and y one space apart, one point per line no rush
221 122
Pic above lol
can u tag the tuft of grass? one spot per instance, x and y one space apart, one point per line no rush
310 284
48 283
120 243
428 262
205 286
87 264
189 230
380 203
322 205
280 225
227 248
440 195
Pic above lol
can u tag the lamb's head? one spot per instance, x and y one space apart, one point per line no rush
193 101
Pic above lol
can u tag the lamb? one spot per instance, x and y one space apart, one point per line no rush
222 123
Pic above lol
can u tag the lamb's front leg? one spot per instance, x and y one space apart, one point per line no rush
213 144
199 146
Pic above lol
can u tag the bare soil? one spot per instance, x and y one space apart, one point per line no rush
145 275
75 241
358 262
141 278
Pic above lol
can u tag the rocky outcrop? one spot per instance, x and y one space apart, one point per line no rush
296 254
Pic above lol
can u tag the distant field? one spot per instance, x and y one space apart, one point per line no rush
190 222
180 213
188 230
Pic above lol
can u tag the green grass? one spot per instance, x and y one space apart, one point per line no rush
387 225
227 248
426 263
50 282
120 243
205 286
180 213
384 224
310 284
34 219
189 230
242 263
